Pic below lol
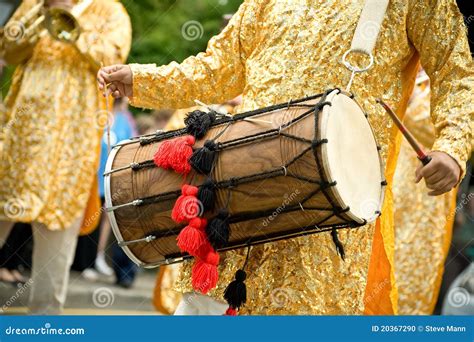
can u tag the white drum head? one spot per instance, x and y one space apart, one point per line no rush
351 158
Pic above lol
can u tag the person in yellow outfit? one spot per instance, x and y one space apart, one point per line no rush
51 135
423 223
276 50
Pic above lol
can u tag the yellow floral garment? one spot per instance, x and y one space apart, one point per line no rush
423 224
53 121
276 50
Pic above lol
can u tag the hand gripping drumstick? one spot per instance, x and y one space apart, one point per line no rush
422 156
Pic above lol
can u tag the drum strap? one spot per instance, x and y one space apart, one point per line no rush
368 28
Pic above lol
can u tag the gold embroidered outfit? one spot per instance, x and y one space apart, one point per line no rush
276 50
53 121
423 224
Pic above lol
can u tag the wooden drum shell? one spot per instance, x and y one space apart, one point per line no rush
261 203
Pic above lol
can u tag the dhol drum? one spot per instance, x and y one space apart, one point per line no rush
303 167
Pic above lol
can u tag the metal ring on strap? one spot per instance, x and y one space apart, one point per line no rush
353 68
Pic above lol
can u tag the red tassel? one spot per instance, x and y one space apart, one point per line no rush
230 312
204 272
193 237
187 205
174 154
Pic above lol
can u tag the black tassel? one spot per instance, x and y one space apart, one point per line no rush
236 292
207 195
198 122
338 243
218 230
202 159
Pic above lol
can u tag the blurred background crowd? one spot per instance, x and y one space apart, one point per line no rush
161 39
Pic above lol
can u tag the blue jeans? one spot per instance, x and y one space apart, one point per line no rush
124 268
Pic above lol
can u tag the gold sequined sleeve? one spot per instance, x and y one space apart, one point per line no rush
107 39
213 76
437 30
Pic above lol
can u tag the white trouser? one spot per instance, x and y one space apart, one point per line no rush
195 304
53 253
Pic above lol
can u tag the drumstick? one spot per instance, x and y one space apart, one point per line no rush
108 124
107 106
422 156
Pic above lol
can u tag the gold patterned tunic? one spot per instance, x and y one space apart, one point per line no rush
53 121
276 50
423 224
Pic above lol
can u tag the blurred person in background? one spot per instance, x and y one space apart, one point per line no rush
15 254
457 290
91 248
161 118
468 12
122 127
145 124
423 223
51 133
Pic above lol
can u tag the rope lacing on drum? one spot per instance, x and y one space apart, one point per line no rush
284 170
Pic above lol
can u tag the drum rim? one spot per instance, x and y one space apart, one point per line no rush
113 221
326 171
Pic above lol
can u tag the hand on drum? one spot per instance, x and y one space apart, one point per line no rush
441 174
118 79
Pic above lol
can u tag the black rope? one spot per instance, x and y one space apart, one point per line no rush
255 240
143 165
238 117
323 183
241 141
229 183
247 256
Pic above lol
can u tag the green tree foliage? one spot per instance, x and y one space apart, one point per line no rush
159 27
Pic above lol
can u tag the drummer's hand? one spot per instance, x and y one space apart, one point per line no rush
441 174
119 78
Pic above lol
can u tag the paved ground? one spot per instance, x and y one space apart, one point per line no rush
101 297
